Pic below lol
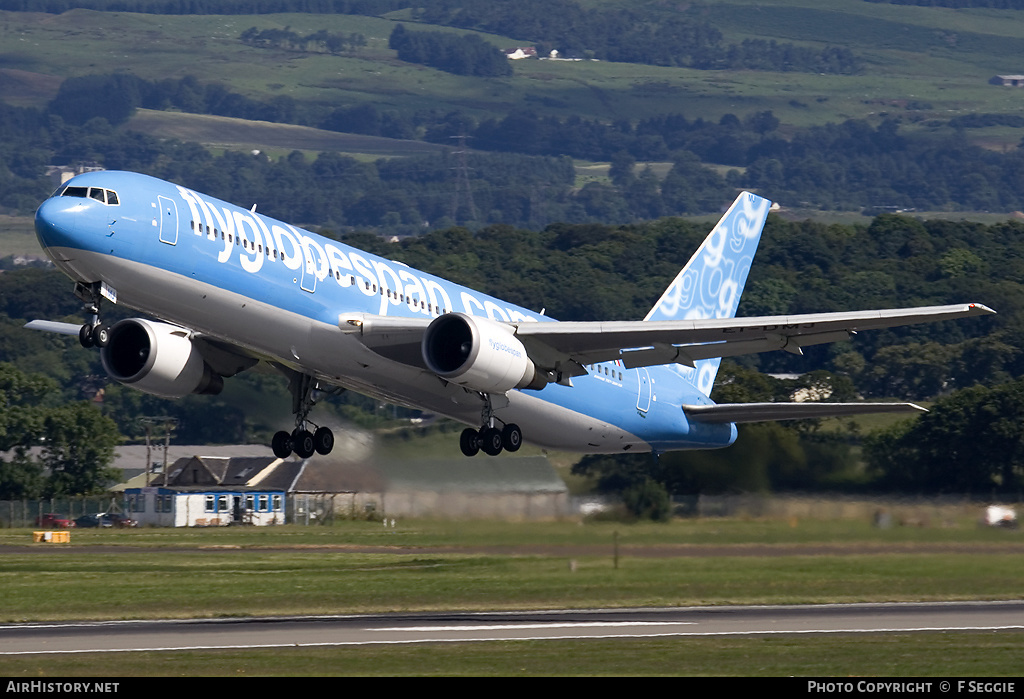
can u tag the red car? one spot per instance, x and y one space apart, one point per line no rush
54 521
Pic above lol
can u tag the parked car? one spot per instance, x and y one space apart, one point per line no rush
106 520
88 521
119 520
54 521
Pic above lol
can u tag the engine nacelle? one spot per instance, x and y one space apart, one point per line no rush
157 358
479 354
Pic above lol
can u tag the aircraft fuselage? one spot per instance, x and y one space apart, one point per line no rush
284 293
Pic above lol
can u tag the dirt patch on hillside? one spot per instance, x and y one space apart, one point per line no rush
26 89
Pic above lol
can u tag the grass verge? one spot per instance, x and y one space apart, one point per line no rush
869 655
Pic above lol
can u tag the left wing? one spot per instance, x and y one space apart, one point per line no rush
765 412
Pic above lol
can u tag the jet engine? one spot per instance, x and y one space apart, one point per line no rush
158 358
479 354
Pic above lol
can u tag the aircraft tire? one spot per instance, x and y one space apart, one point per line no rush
511 437
302 443
490 441
85 335
282 445
101 335
323 441
469 442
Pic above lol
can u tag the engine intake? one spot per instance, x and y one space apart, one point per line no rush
479 354
158 358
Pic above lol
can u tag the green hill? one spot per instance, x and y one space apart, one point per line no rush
920 62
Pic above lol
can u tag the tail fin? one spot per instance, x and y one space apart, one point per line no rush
710 284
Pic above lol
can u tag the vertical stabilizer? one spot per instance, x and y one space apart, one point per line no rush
710 284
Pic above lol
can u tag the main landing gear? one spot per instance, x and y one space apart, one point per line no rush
303 442
93 333
489 439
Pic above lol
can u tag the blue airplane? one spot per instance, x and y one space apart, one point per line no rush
232 287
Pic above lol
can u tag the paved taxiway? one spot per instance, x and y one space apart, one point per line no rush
486 626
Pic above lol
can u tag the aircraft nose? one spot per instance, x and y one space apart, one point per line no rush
55 220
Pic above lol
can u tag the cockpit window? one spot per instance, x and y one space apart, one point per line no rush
104 196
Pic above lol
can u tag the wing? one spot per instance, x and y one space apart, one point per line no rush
649 343
224 358
763 412
566 347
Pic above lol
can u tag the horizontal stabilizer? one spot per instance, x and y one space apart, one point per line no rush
763 412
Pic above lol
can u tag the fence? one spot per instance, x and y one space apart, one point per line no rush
323 509
26 513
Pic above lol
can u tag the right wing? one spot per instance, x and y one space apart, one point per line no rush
649 343
564 348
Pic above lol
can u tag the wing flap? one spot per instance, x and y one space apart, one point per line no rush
765 412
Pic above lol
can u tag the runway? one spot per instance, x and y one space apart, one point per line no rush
458 627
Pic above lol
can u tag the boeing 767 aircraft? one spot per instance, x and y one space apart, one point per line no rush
233 287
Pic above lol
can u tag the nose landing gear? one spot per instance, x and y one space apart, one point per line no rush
93 333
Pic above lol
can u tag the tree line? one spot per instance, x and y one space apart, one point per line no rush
321 41
632 35
852 165
462 55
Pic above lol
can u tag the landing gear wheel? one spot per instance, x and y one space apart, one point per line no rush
490 441
85 336
302 443
469 442
323 440
101 335
511 437
282 445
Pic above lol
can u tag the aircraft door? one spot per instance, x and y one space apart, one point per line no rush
643 396
308 282
167 210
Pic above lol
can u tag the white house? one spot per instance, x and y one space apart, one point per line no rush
211 491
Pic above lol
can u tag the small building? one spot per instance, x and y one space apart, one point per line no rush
508 488
210 491
1007 80
204 507
520 52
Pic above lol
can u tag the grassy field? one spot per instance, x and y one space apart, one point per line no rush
236 134
430 565
422 565
891 655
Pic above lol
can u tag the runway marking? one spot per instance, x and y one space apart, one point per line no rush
549 625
